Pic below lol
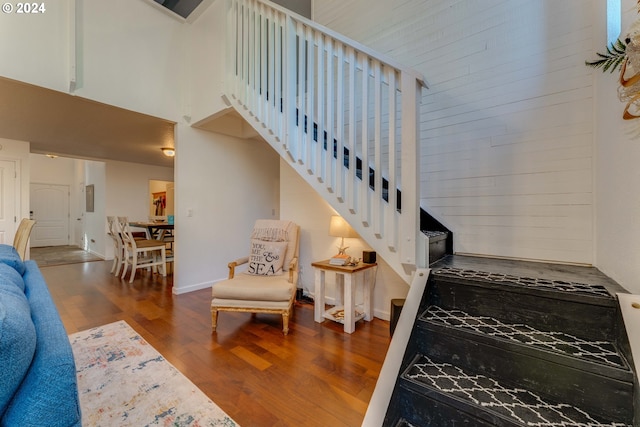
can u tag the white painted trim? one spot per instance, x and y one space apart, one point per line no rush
194 287
631 318
392 362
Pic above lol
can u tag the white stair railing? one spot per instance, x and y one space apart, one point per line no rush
344 116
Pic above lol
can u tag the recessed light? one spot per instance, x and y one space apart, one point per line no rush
168 151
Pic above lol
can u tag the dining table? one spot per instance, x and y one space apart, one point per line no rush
154 229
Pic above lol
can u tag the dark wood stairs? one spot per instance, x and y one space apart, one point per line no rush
508 343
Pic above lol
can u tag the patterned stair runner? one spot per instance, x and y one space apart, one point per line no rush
602 352
522 406
537 283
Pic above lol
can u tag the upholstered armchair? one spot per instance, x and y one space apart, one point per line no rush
268 284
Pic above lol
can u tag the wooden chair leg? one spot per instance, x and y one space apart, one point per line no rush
214 318
285 322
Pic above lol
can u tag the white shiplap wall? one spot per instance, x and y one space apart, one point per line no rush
506 126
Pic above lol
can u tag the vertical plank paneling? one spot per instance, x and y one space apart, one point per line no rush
509 96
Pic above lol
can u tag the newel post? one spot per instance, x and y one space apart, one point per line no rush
410 154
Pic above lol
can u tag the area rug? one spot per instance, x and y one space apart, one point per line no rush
124 381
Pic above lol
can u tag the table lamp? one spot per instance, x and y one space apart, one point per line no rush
338 227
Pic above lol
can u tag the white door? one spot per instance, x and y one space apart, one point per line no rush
50 209
8 205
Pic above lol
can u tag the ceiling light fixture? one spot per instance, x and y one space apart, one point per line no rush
51 156
168 151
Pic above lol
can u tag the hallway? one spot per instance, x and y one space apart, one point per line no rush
58 255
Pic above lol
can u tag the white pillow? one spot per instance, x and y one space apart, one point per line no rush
266 258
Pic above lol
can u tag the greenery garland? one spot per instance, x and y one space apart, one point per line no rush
612 60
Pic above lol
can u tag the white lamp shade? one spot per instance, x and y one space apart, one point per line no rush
338 227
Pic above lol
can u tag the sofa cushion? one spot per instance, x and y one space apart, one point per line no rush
48 396
10 257
17 334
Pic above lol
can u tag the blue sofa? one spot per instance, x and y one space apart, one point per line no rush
38 384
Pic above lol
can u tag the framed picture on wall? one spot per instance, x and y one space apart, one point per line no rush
89 193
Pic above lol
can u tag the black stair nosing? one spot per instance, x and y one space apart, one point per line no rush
620 373
486 412
600 300
463 406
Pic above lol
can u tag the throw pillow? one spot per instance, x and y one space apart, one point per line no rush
266 258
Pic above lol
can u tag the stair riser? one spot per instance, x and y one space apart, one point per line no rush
607 397
423 411
579 318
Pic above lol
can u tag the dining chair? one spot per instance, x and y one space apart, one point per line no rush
118 245
141 253
21 237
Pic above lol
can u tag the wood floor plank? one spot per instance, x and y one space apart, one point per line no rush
316 376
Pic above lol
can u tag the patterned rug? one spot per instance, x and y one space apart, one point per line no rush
124 381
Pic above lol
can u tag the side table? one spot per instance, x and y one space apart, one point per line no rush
347 277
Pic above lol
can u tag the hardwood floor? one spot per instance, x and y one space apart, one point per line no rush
315 376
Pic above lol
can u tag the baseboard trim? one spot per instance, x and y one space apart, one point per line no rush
195 287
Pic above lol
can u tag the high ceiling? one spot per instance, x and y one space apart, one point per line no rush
58 123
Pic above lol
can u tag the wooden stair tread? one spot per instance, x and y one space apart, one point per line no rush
595 351
485 394
530 283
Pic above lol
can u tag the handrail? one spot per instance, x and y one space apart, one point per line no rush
314 94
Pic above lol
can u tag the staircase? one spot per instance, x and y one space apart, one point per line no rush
343 116
494 343
504 343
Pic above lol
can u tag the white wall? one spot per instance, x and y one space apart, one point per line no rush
618 174
506 126
300 203
35 48
223 184
127 53
131 55
207 57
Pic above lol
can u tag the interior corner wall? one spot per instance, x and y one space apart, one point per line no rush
207 59
18 151
506 125
223 184
618 174
35 47
127 53
300 203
